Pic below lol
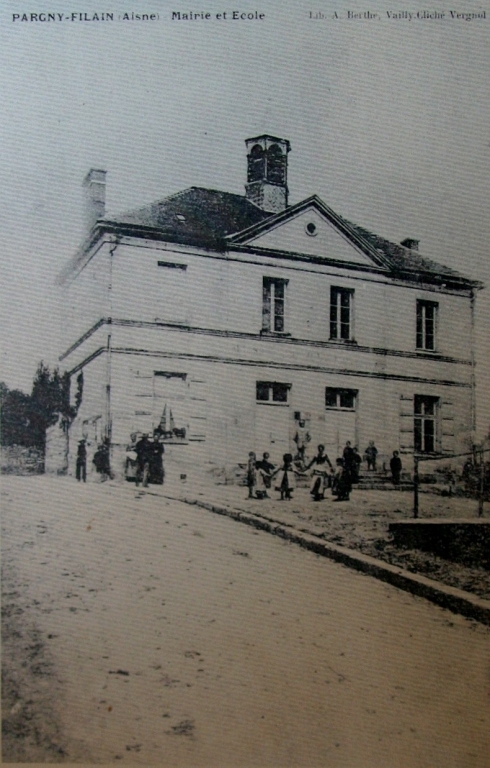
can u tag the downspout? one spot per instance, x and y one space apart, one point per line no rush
108 428
473 367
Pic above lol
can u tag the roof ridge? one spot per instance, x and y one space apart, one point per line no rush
176 195
143 207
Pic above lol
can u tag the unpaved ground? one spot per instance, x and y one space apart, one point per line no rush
360 523
151 632
30 686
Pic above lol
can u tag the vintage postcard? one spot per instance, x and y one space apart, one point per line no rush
245 399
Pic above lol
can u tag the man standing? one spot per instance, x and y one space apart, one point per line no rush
156 460
142 450
251 474
102 460
81 470
396 468
356 469
349 458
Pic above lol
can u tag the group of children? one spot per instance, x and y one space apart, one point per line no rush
261 474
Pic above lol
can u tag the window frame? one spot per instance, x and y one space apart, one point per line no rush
339 391
421 419
421 325
270 385
272 320
340 293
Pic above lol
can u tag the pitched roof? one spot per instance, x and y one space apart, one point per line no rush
197 216
386 255
405 259
212 219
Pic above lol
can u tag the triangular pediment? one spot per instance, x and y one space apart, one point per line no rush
310 228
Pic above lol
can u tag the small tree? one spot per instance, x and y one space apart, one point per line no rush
50 398
25 418
14 417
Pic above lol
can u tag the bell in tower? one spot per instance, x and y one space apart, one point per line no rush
267 172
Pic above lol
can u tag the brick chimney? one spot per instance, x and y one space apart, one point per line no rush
267 172
94 193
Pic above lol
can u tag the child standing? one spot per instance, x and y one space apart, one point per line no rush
287 484
341 482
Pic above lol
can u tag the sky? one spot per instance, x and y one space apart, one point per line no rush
388 121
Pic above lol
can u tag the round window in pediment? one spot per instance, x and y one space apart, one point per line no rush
311 229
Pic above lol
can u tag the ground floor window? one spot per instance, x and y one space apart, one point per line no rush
170 405
340 399
425 423
272 392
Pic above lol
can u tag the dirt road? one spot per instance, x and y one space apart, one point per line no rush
146 631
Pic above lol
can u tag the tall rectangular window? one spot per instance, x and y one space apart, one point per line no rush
170 292
425 424
273 298
426 324
341 319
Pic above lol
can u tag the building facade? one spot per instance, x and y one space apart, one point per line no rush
234 322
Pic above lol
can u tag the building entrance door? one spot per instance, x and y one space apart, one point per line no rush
272 431
340 426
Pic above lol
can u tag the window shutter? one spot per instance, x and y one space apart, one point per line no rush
198 410
447 426
139 393
406 423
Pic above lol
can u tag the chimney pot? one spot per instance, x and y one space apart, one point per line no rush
410 243
94 185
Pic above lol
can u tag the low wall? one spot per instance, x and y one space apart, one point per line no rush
461 541
19 460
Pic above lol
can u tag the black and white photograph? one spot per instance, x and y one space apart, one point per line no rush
245 384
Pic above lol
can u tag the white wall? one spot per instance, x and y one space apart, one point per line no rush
221 407
226 294
214 295
86 297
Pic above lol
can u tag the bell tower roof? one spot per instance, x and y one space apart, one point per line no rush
266 137
267 168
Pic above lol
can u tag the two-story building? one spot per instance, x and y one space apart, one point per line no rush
227 320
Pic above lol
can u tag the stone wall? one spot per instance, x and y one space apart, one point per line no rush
19 460
56 458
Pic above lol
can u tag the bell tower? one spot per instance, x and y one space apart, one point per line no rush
267 172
